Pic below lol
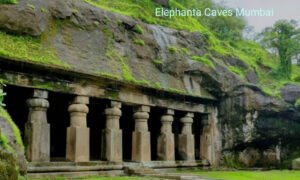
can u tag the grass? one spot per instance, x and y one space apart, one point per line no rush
185 51
100 178
237 71
106 74
31 6
139 41
180 91
8 1
156 61
172 49
248 175
28 49
4 113
75 11
203 60
139 29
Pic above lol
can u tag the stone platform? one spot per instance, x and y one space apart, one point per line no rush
102 168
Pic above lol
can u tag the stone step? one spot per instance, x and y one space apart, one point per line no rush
76 174
37 169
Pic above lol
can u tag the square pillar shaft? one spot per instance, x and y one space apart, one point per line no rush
112 135
78 135
165 142
186 139
37 130
141 148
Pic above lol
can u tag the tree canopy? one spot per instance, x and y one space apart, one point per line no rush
284 37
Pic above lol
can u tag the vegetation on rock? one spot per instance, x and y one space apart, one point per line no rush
203 60
172 49
139 29
297 103
8 167
139 41
8 1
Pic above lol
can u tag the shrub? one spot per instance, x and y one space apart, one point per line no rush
172 49
139 29
139 41
297 103
8 168
203 60
8 1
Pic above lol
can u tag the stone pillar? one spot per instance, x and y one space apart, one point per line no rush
165 142
112 135
141 149
186 139
37 130
78 135
205 139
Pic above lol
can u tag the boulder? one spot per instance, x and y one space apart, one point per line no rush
290 93
251 77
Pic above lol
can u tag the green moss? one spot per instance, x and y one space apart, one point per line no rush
43 10
172 49
4 143
139 41
139 29
4 113
180 91
156 61
203 60
157 85
297 103
106 74
75 11
28 48
185 51
232 162
31 6
8 1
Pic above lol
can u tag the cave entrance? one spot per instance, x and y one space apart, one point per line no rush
197 131
16 106
96 122
59 120
154 124
127 126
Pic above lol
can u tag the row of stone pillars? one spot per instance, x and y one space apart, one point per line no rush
77 149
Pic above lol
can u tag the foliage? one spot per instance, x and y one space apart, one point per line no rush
297 103
75 11
8 167
157 85
43 10
186 51
139 29
156 61
139 41
4 113
203 60
284 36
2 94
172 49
8 1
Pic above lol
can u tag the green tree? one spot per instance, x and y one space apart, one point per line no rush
284 37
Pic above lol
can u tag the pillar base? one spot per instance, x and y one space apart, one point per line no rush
186 147
166 146
112 145
37 142
141 146
78 144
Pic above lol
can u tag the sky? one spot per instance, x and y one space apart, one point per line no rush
283 9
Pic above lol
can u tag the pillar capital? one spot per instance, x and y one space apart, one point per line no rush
81 100
43 104
142 108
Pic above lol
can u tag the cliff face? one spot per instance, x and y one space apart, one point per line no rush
256 129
